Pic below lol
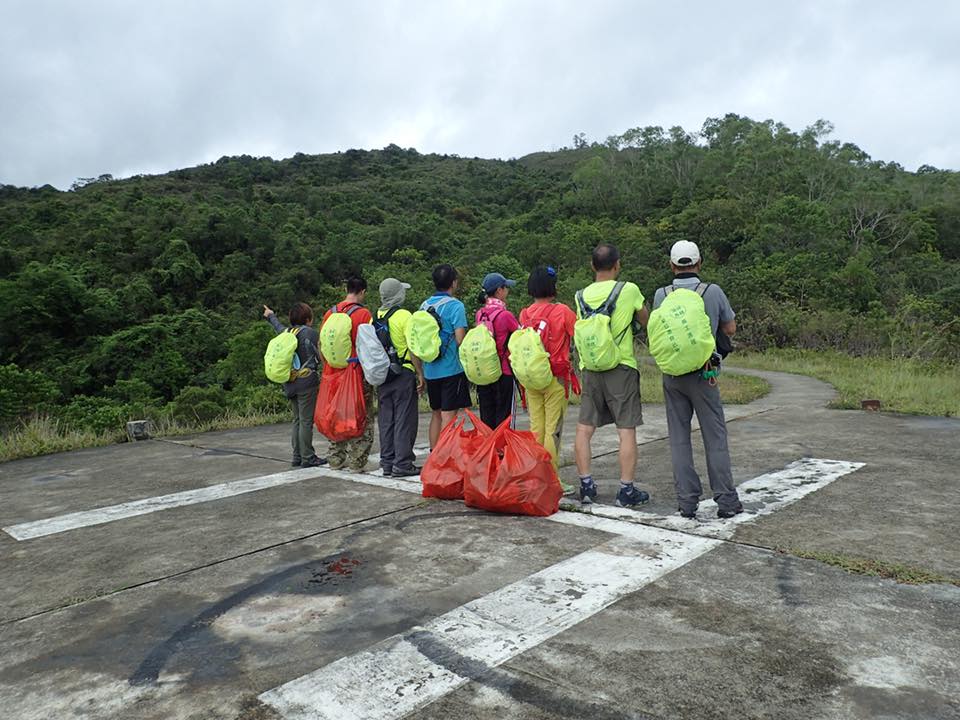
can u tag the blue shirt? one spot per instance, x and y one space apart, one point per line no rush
453 315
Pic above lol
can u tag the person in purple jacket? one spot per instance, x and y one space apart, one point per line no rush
496 399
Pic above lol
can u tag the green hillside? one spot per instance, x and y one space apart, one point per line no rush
143 296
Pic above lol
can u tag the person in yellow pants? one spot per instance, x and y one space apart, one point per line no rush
547 408
554 322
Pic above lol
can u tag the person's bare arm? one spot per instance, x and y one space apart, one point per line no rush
459 334
729 328
642 316
418 366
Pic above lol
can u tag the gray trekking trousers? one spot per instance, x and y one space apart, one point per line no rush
683 396
398 417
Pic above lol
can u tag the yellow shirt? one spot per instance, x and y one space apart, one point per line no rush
398 328
629 302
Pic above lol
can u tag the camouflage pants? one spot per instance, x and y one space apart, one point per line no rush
354 453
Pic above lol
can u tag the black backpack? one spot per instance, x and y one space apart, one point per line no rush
382 327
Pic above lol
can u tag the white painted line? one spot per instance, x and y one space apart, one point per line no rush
410 484
762 495
406 672
99 516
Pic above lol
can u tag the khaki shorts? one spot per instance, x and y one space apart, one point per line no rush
611 397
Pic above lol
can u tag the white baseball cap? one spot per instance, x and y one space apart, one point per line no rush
684 253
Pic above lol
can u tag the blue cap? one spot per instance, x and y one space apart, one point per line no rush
495 281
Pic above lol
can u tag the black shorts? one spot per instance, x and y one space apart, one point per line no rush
449 393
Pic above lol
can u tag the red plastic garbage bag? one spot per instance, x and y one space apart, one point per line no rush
443 473
512 473
341 410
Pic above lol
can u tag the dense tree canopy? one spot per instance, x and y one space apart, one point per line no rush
130 291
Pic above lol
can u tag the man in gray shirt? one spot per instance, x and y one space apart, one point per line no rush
686 394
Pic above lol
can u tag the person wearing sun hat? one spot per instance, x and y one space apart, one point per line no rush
398 416
496 399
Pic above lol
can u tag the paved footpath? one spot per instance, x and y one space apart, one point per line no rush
201 577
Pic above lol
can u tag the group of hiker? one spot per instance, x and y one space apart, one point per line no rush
512 360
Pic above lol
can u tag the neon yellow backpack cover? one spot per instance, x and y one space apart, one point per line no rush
423 336
278 359
592 335
679 333
423 330
479 357
529 360
335 342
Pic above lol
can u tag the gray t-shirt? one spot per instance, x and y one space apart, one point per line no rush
714 301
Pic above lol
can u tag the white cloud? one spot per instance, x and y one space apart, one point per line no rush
117 87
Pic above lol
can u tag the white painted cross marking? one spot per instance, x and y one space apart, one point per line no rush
99 516
774 490
405 672
411 670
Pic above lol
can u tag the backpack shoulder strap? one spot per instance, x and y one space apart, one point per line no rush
352 309
702 288
389 314
611 302
668 289
581 303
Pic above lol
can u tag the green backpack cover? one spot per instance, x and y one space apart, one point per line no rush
598 349
529 360
423 331
679 333
479 357
336 344
278 359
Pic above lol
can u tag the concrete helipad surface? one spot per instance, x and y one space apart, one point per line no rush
201 577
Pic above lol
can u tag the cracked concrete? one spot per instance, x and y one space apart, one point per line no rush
193 612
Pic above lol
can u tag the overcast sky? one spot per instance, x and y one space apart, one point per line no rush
130 87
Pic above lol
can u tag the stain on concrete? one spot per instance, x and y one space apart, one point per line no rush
252 709
543 697
257 601
788 585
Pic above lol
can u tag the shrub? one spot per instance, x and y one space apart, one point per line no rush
199 404
97 414
23 392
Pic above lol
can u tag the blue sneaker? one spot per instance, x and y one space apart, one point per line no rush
588 491
630 496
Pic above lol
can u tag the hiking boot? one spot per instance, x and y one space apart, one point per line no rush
387 472
296 462
726 514
406 472
588 491
315 461
688 514
629 496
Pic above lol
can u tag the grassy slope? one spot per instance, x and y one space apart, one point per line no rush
900 385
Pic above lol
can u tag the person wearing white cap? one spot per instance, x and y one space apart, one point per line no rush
686 394
398 417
